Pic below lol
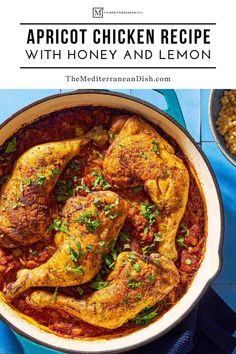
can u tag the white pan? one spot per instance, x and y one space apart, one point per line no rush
212 260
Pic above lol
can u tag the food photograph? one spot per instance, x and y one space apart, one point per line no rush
117 221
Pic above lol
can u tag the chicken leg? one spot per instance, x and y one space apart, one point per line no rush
133 286
139 155
26 203
89 230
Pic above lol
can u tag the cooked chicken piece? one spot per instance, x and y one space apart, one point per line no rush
26 203
133 285
89 230
139 155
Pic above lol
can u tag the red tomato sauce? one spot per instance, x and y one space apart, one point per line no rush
190 236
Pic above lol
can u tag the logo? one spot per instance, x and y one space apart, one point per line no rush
98 12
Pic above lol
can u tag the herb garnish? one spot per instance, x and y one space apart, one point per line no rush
134 284
87 218
149 211
188 261
57 226
145 317
185 229
54 296
137 267
83 186
124 236
156 147
80 290
78 270
100 156
126 299
180 241
41 179
151 278
98 285
137 189
75 254
139 296
100 181
11 146
28 181
64 190
56 171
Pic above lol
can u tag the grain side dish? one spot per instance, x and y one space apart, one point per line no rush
226 122
102 222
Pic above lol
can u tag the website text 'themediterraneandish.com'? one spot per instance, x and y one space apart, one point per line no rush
99 78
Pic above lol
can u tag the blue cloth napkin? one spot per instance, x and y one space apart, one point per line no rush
207 329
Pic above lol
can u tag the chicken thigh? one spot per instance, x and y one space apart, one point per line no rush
139 155
26 202
133 285
89 228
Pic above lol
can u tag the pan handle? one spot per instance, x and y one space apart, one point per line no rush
173 106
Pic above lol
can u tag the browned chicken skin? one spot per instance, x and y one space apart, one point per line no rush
89 230
27 202
133 285
139 155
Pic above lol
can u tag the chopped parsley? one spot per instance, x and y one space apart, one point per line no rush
57 226
97 202
112 135
98 285
11 146
99 155
134 284
64 190
28 181
137 189
108 208
89 247
145 317
79 290
100 181
102 244
87 218
109 260
56 172
157 236
41 179
75 254
78 270
131 257
34 253
156 147
149 211
126 299
165 173
180 241
54 296
188 261
185 229
124 236
137 267
151 278
139 296
83 186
